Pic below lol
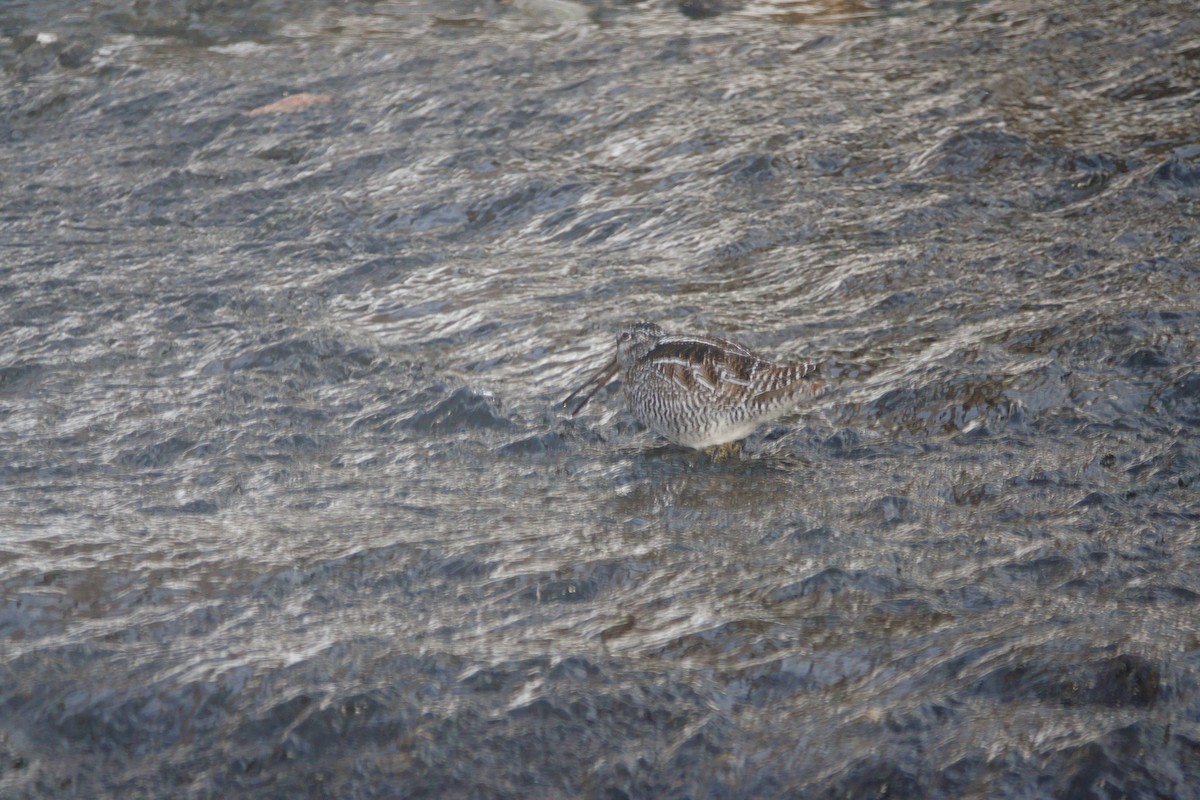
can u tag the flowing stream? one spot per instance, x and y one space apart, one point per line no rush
290 293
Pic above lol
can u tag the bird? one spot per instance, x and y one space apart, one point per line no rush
700 392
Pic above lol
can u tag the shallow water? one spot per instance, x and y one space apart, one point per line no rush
288 504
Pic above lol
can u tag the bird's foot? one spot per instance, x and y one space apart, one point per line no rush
723 452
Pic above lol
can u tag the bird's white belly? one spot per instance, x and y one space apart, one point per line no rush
713 434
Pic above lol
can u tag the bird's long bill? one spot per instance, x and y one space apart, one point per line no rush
601 380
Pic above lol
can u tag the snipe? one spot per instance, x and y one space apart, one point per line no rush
699 391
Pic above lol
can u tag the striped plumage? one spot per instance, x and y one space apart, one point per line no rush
700 391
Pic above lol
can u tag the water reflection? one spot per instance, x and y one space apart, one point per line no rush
826 12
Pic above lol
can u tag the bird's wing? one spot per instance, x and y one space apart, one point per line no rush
706 342
707 368
790 381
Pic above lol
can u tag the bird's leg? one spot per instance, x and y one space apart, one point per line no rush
721 452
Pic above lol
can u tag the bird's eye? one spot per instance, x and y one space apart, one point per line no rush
625 336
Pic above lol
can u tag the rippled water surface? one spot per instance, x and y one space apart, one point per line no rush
290 291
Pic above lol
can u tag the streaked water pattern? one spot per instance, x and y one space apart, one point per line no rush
289 506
